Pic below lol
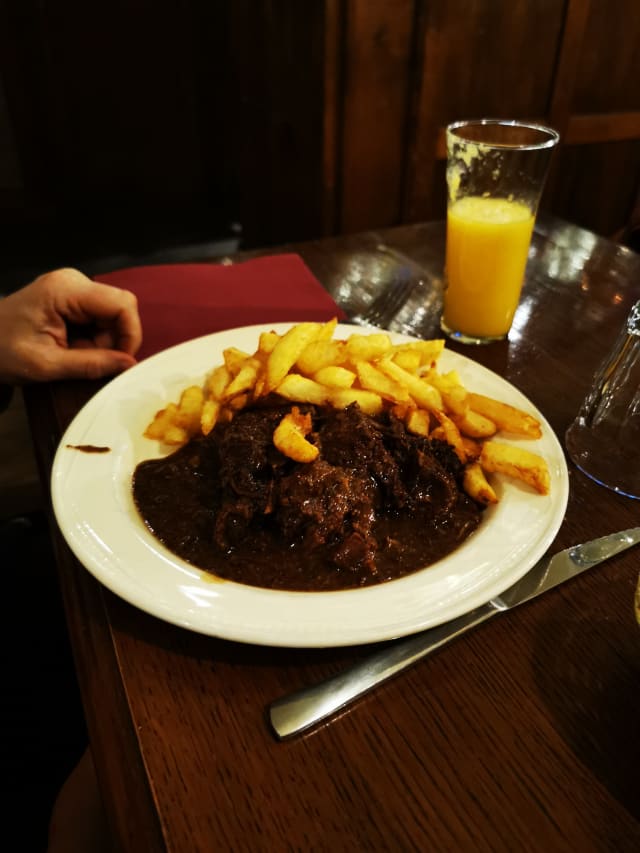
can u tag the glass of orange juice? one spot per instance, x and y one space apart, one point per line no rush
496 169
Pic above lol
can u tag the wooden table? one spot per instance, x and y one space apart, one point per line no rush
522 735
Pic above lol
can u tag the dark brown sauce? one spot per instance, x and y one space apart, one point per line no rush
179 499
89 448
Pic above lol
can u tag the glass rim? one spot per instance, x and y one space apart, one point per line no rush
552 136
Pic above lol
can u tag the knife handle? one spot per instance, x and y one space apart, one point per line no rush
298 711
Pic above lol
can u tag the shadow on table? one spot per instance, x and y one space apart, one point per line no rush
587 668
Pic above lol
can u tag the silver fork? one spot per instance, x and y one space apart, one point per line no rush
387 304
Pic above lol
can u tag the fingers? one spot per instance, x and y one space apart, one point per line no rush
87 363
81 300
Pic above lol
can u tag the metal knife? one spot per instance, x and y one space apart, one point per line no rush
300 710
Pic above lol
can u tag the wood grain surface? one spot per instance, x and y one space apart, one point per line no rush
520 736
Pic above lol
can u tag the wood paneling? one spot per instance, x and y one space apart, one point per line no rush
595 184
377 80
472 66
573 64
302 119
609 61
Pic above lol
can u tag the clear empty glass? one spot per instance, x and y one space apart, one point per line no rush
604 439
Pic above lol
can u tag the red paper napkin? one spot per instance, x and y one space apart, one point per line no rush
178 302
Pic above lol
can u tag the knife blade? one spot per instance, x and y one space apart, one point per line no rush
304 708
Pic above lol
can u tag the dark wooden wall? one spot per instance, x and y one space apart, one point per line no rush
140 122
411 66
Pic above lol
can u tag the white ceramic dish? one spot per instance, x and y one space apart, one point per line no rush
94 509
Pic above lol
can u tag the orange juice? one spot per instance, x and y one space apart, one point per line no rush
487 247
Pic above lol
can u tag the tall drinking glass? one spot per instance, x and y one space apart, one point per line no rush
604 439
496 170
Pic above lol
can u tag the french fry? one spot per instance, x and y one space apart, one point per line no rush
335 376
367 347
429 351
372 379
418 421
267 342
301 389
370 402
244 380
425 395
234 358
176 435
238 402
319 354
287 351
190 409
289 437
161 422
474 425
506 418
451 435
472 448
217 381
407 359
477 486
327 330
209 415
516 462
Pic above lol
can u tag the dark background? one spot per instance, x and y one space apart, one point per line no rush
132 129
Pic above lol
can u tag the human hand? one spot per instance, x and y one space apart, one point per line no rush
37 325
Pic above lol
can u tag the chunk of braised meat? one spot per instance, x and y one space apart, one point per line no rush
248 460
405 467
430 471
320 505
354 441
366 466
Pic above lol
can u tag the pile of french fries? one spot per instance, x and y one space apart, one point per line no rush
307 365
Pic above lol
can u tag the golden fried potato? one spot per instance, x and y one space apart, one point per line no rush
451 434
162 421
367 347
506 418
209 415
372 379
429 351
424 394
472 448
287 351
176 435
234 358
238 402
217 381
319 354
301 389
477 486
244 380
328 329
454 394
370 402
418 421
407 359
474 425
335 376
516 462
189 409
267 342
289 437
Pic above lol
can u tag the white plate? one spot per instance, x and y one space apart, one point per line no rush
94 508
